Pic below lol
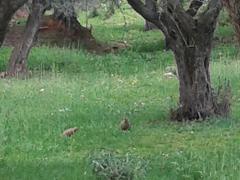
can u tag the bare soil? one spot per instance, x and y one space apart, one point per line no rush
54 33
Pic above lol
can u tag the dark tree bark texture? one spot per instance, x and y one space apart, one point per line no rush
151 4
7 9
190 38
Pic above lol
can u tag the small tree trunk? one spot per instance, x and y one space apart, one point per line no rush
18 59
196 96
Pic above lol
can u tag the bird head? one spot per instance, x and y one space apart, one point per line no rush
75 129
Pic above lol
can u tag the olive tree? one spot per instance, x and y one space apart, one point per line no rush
17 62
189 34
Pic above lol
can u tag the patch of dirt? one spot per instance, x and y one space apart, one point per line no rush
54 33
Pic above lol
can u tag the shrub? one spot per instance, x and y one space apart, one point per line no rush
111 166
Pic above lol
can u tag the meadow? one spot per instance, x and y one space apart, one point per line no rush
95 92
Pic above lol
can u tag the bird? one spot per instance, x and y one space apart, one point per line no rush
70 132
125 125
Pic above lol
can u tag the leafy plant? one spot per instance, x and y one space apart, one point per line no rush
111 166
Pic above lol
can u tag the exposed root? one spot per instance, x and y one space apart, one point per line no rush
221 107
182 114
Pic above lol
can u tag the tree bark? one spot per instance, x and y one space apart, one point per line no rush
18 59
7 9
151 4
196 96
190 39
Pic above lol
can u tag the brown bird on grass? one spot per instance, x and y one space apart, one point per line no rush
70 132
125 125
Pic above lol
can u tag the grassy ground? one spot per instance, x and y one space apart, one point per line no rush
73 88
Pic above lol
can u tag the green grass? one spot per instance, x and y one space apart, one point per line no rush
73 88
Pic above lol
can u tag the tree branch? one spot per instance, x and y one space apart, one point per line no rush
194 7
148 14
209 17
172 20
206 23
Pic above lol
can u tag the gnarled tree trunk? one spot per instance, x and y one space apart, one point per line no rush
196 95
18 59
190 39
192 50
7 9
